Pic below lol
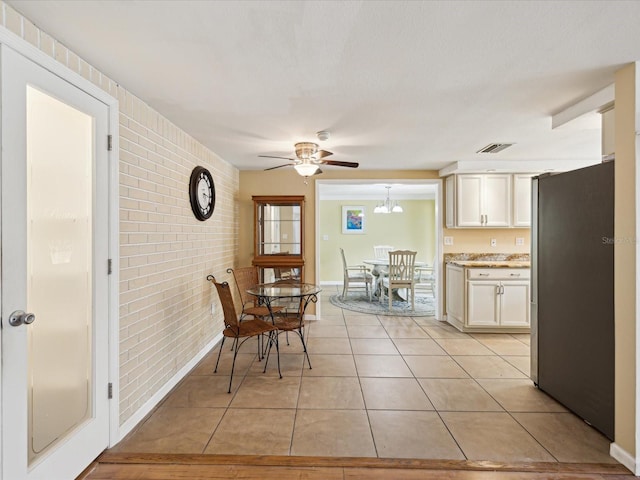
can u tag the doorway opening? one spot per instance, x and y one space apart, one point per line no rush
418 227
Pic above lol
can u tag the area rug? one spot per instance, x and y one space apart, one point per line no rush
425 305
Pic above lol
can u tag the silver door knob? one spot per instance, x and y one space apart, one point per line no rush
19 317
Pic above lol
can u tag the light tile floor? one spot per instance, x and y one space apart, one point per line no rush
392 387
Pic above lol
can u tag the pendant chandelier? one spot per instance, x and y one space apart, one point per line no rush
386 206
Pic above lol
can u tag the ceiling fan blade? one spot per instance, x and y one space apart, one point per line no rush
318 172
283 158
322 153
279 166
339 164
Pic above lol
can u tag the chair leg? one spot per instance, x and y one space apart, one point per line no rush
345 287
219 352
413 299
273 337
233 366
304 346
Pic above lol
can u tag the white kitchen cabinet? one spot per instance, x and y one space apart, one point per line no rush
488 299
482 200
522 199
450 201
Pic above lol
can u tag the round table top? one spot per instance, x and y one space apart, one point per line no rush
381 262
277 290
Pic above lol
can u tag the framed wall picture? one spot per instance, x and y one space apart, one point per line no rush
353 219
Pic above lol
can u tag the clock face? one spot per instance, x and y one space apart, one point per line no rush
202 193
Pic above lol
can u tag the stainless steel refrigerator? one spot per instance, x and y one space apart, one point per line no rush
572 314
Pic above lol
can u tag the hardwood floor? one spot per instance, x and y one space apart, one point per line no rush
126 466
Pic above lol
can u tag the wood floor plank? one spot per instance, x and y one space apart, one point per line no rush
211 472
357 462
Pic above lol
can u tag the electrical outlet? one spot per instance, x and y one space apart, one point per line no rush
519 240
325 237
494 242
448 240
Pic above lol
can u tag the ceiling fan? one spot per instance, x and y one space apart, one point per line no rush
308 159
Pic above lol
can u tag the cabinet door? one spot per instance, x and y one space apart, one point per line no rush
514 304
455 292
482 304
469 200
450 191
522 199
496 197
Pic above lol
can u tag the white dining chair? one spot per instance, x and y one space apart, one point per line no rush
425 279
381 252
400 275
356 276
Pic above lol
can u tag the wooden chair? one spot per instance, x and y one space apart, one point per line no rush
246 277
242 330
381 252
425 279
356 276
401 275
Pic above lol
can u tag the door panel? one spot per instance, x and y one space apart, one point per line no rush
55 233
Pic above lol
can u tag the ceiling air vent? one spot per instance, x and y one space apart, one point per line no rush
494 147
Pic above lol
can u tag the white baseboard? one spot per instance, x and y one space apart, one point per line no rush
624 457
150 404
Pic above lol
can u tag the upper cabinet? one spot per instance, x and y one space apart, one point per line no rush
278 236
522 199
488 200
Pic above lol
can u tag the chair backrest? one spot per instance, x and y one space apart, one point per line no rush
401 265
245 278
382 251
344 260
426 274
226 299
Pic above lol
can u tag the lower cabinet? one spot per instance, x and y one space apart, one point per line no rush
488 299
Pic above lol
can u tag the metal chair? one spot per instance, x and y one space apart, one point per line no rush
401 275
242 330
246 277
356 276
294 322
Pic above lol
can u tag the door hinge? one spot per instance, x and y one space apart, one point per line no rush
109 266
109 142
110 391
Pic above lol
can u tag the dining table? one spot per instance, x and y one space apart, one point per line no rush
380 270
300 295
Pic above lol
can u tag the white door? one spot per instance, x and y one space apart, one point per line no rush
55 415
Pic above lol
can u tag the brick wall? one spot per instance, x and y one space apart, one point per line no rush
165 253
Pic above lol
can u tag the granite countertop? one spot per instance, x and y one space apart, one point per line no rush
491 263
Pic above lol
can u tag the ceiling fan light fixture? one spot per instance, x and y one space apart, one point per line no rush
306 169
306 150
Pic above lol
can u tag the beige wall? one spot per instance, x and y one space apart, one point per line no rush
414 229
478 240
165 253
626 111
286 181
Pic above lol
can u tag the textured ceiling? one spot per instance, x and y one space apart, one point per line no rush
400 84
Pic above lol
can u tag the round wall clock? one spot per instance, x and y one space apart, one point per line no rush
202 193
